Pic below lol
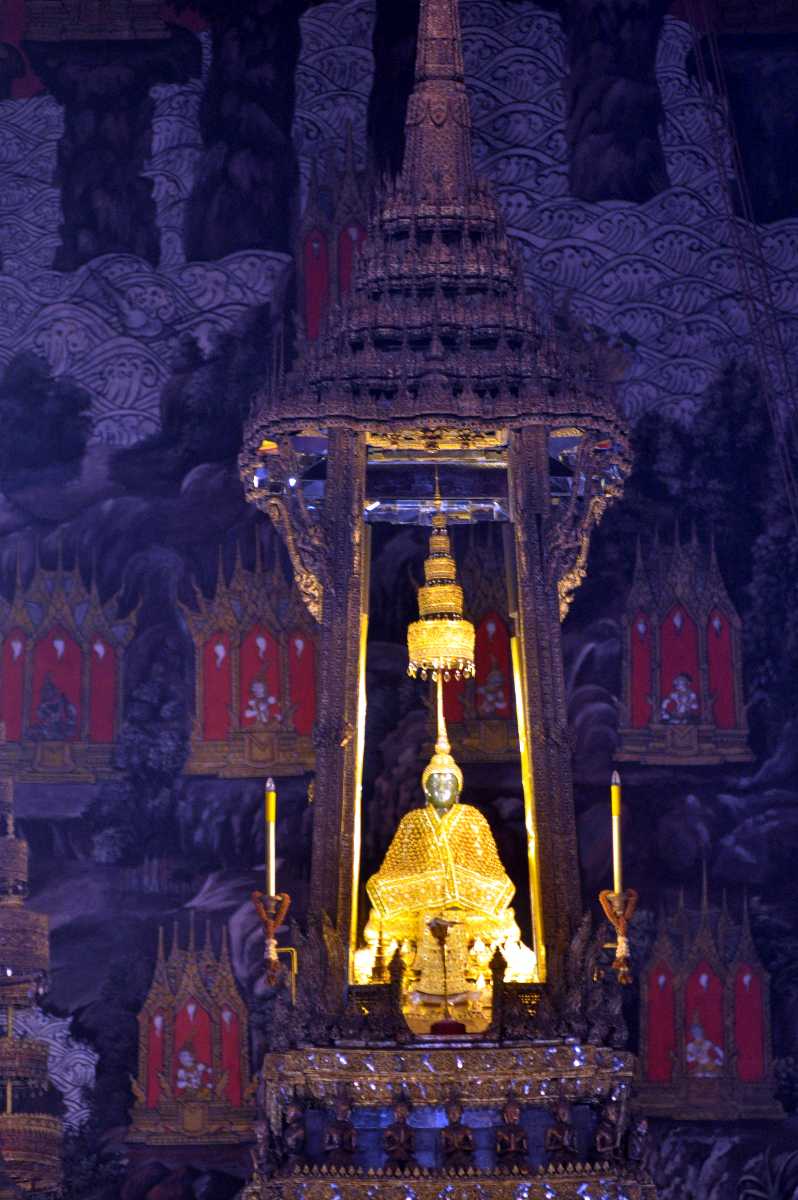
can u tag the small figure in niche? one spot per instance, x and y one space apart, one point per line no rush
193 1079
703 1056
680 706
608 1132
262 708
294 1134
492 694
639 1145
457 1139
260 1151
340 1138
560 1140
512 1144
56 715
398 1141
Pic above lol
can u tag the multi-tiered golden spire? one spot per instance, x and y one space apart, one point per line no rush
441 642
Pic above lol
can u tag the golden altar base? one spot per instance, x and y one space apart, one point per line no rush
579 1181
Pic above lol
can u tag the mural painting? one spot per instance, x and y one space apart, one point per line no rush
187 194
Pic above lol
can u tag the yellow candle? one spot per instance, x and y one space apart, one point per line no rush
615 808
270 815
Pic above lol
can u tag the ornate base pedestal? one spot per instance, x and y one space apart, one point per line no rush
578 1183
541 1121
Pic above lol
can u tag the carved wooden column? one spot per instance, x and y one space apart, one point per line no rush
538 630
335 818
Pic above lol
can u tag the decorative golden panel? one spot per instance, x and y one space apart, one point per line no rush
481 1075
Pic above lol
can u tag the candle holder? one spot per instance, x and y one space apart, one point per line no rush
618 908
272 911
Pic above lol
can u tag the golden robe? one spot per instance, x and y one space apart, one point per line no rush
435 863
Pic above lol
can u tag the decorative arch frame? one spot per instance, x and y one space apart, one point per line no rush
163 1116
686 579
60 601
269 743
731 1092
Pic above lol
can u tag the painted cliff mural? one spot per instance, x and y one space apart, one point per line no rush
183 191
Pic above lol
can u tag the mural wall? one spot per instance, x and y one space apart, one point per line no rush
156 662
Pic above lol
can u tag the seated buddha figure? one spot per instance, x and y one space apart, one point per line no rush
443 864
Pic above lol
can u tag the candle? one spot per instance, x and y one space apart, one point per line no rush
270 815
615 808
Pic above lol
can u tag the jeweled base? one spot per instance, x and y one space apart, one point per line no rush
360 1087
582 1182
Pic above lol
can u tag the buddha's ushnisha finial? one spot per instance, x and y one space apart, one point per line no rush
442 759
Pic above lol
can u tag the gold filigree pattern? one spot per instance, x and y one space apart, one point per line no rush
428 1075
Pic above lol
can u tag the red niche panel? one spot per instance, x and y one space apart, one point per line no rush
156 1042
102 690
749 1024
316 264
302 676
193 1069
349 239
641 653
453 697
217 687
661 1030
12 683
55 702
679 671
493 671
231 1054
259 671
704 1038
721 669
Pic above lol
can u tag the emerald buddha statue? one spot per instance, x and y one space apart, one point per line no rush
443 863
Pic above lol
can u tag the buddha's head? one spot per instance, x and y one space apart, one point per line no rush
442 780
442 785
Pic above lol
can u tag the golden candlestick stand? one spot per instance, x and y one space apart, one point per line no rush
618 904
272 906
618 908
